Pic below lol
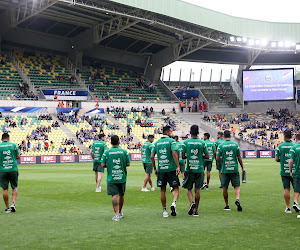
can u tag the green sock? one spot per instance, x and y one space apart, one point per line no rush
164 208
174 201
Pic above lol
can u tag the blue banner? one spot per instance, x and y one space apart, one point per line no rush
186 94
66 110
22 109
66 94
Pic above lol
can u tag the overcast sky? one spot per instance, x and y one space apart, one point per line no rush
265 10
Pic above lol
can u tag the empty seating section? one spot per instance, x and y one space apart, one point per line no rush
212 94
119 79
20 133
43 70
9 78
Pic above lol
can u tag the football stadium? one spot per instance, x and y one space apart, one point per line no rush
149 124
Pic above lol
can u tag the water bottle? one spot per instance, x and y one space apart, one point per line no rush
244 177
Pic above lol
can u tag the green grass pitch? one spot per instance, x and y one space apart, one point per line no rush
58 208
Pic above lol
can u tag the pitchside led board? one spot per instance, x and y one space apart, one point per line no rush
268 85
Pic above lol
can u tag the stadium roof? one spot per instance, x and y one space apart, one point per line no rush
145 28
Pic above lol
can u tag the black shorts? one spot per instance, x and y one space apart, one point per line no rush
163 178
234 178
116 188
9 177
287 181
191 179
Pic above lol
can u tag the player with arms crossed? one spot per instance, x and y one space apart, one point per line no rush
194 175
295 174
219 140
208 162
146 153
97 151
168 168
180 148
283 156
229 153
9 154
116 160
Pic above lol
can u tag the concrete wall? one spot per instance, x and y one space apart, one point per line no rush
263 106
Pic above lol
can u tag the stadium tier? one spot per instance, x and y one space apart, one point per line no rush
25 128
46 71
213 94
262 129
9 79
120 85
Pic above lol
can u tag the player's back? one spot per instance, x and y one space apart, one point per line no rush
8 160
194 149
116 160
98 149
163 148
210 148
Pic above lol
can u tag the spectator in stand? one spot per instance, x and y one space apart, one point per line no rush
97 105
55 98
46 145
174 110
61 150
190 106
96 99
39 146
163 112
204 107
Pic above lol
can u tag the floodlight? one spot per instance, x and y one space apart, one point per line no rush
280 44
257 42
297 46
273 44
232 39
264 43
251 42
239 39
287 44
245 39
293 44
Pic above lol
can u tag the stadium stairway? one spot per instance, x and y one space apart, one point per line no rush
70 135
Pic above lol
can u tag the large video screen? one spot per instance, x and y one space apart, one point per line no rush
268 84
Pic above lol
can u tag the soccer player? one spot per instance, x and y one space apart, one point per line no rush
194 175
9 154
283 156
97 151
168 168
180 148
219 140
116 160
229 153
295 162
208 162
146 153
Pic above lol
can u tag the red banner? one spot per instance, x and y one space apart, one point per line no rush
28 159
136 157
265 154
67 158
83 158
48 159
251 154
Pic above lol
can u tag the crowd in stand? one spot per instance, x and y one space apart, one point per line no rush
25 93
148 87
143 123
